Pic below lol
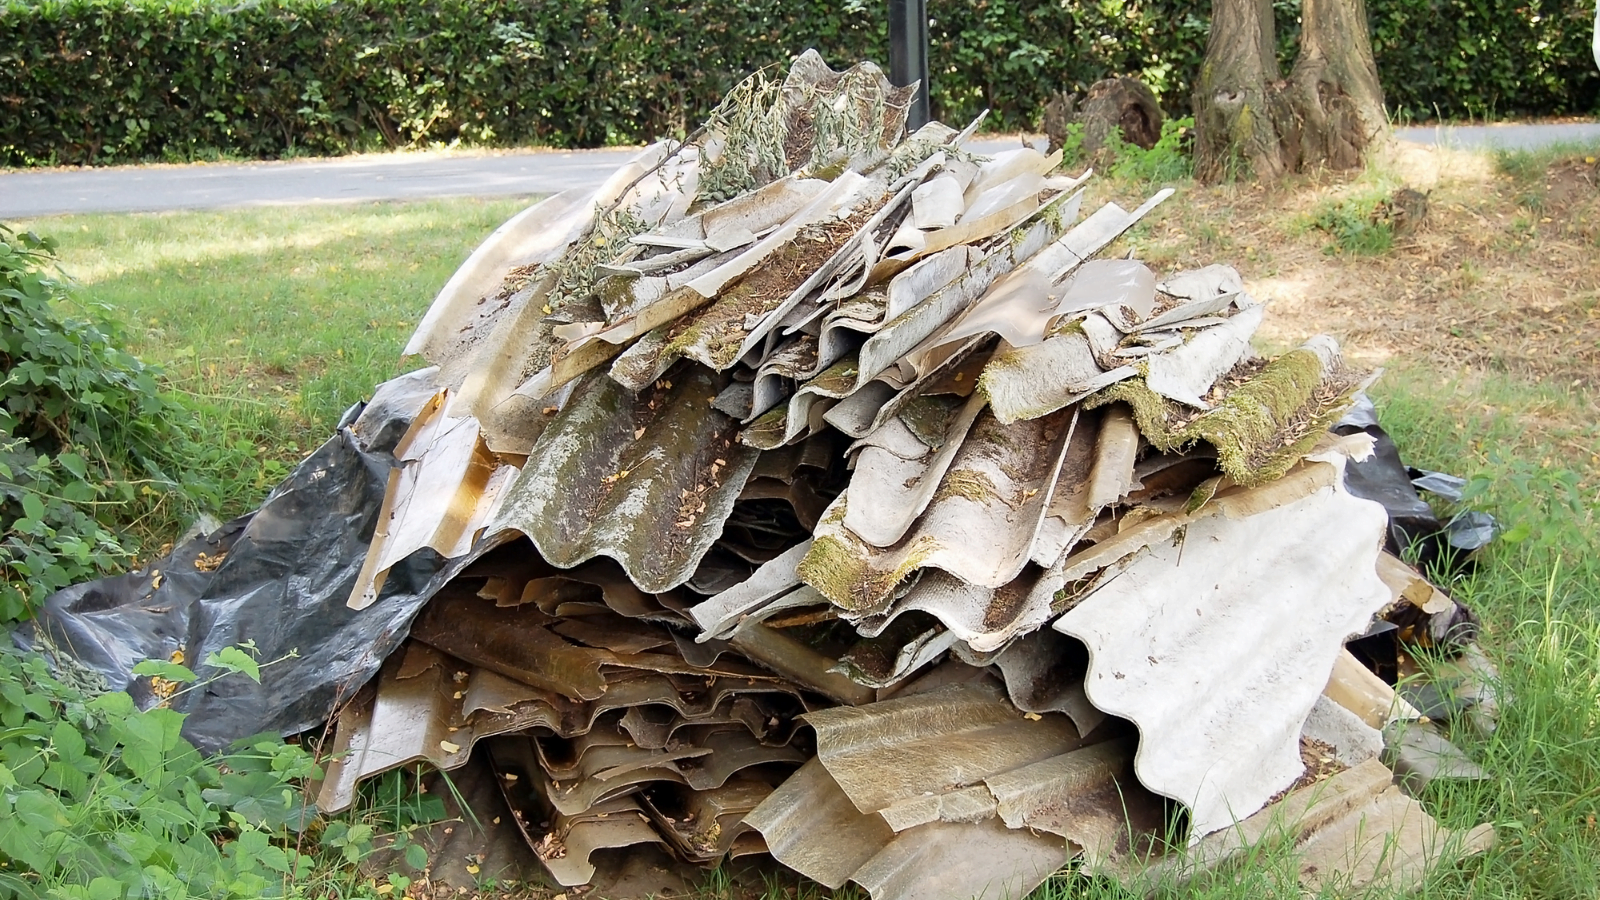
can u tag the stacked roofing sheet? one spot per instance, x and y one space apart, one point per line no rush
822 491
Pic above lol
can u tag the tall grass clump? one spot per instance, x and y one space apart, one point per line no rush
1537 590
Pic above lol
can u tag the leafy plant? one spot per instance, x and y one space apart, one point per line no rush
290 77
1170 159
89 440
1354 227
99 800
1072 152
82 427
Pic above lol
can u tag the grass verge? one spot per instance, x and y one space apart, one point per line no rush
1485 318
273 320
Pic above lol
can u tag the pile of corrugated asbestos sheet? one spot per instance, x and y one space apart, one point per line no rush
827 496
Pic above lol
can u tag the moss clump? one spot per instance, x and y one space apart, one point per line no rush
834 568
840 567
1261 427
1050 215
616 293
837 379
968 484
767 431
929 417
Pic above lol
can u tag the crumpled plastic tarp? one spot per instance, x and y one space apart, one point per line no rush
1415 530
285 573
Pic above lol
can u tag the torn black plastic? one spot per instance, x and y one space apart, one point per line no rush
285 572
1415 530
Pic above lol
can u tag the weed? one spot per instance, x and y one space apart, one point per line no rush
88 441
101 800
1072 153
1353 226
1169 160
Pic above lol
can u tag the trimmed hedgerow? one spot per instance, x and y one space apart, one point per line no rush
98 81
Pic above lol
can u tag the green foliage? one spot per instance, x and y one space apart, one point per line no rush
1353 226
85 432
1530 170
1171 159
1485 58
1072 152
285 77
101 800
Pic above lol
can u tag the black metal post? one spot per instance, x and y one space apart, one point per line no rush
908 54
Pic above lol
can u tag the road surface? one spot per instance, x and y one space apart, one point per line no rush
411 176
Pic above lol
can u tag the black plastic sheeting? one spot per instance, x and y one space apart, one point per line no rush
288 570
1415 532
289 567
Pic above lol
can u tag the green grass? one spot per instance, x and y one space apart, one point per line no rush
1533 449
1351 226
273 319
1530 170
1531 165
279 318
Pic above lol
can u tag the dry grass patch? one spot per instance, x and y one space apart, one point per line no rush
1502 275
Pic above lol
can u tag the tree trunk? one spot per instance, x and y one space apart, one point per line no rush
1248 122
1239 112
1334 86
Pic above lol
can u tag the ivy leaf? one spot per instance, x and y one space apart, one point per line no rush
235 660
171 671
74 463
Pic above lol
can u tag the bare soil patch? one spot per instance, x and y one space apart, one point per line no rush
1503 274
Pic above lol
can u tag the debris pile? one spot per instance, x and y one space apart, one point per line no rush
811 491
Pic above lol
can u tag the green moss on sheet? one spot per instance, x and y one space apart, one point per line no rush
1260 429
929 417
838 378
616 293
839 567
968 484
766 432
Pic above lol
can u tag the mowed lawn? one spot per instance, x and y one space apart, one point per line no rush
277 319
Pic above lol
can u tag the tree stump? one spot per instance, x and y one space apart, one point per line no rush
1113 103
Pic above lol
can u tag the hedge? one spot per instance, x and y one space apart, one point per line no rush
99 81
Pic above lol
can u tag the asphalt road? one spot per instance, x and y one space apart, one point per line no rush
400 176
1504 137
409 176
